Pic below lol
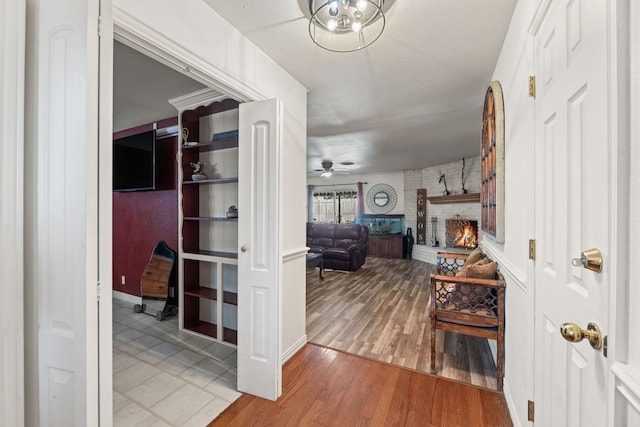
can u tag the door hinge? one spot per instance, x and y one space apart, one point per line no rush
532 249
532 86
531 409
99 26
98 291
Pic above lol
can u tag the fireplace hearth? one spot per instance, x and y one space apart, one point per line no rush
461 233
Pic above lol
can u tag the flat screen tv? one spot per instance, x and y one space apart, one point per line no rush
134 162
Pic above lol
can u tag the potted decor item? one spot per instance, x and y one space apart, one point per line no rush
232 212
407 244
197 171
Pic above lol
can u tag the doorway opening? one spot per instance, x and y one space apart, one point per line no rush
155 364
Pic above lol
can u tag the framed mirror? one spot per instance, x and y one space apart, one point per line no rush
381 198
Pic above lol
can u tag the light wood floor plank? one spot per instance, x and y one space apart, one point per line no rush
380 312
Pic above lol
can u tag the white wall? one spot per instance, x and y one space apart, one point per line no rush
514 66
192 32
394 179
428 179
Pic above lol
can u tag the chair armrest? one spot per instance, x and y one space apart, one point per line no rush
356 246
454 255
489 283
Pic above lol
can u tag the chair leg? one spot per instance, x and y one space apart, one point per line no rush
500 362
433 346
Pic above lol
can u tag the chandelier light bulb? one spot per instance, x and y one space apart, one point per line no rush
346 25
362 5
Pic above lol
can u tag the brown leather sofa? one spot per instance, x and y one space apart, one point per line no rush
343 246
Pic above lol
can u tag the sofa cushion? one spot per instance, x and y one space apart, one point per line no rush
336 253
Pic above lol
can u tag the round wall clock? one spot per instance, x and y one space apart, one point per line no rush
381 198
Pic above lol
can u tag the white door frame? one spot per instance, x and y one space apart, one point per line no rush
105 215
63 185
153 44
12 38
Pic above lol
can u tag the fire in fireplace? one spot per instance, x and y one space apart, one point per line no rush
461 233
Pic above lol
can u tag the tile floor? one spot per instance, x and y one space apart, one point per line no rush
164 377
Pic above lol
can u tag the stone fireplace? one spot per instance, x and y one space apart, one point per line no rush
461 233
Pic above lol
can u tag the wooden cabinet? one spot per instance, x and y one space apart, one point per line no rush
208 258
385 245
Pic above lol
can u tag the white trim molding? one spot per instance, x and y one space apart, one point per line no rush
294 254
12 40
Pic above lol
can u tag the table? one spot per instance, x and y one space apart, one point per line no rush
316 260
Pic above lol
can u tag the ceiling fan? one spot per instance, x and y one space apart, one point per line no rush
328 170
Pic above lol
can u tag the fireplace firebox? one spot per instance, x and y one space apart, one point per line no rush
461 232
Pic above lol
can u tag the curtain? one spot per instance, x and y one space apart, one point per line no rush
360 204
309 203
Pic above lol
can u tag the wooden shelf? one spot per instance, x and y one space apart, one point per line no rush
210 218
213 146
212 294
212 181
211 330
455 198
219 254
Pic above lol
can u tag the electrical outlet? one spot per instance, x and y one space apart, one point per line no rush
123 280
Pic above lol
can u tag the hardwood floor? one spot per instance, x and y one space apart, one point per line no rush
379 312
324 387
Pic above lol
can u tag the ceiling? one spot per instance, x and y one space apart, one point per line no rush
142 88
411 100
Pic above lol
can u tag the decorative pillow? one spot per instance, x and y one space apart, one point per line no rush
474 257
486 270
471 296
477 269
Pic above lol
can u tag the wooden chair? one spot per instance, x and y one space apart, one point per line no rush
467 306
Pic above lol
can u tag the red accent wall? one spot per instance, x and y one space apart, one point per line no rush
140 220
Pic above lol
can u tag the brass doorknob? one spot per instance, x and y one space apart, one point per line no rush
243 248
574 333
591 259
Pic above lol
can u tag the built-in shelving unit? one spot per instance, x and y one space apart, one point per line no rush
456 198
208 269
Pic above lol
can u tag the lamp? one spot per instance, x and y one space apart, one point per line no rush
346 25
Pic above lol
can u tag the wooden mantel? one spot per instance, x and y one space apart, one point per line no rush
455 198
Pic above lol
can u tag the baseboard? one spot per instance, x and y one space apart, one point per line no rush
511 405
294 349
122 296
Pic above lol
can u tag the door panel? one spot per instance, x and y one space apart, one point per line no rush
260 139
572 213
61 201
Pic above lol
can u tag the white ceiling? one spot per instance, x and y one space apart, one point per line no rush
142 88
412 99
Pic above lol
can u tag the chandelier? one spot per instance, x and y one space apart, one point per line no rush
346 25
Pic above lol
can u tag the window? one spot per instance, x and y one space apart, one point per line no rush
335 207
492 195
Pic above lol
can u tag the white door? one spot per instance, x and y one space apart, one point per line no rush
573 210
259 260
64 181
